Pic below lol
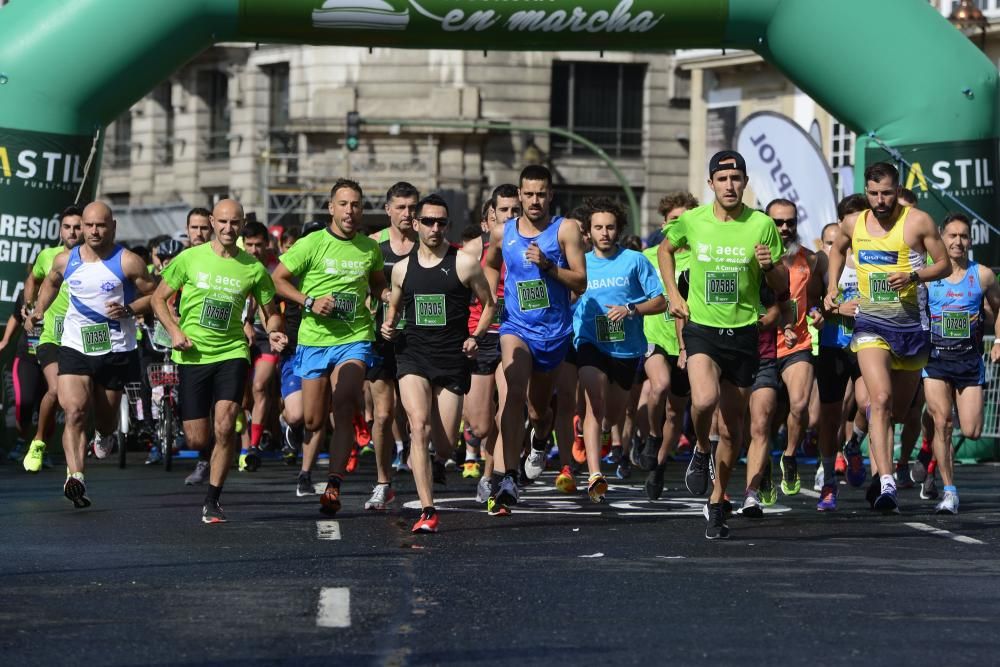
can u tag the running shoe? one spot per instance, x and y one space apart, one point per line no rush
451 464
928 490
439 472
535 463
382 495
304 485
103 445
790 482
717 528
329 502
902 475
855 463
948 504
751 505
768 491
155 456
624 469
241 421
471 470
918 470
199 475
368 451
427 523
579 449
840 467
597 488
820 478
654 483
827 499
292 437
289 455
211 512
697 474
683 445
17 453
484 489
649 456
886 503
635 452
35 457
605 443
505 498
615 455
403 458
565 481
352 459
727 509
362 436
76 491
251 460
874 489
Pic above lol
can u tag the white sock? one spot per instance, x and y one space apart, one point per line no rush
399 446
888 482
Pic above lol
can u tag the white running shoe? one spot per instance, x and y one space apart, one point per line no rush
948 504
103 445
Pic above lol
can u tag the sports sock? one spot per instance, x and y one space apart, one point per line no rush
213 494
256 431
951 488
399 446
829 463
429 511
888 482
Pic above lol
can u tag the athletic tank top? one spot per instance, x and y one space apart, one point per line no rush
436 307
838 329
476 308
389 260
956 314
91 285
798 283
536 306
875 257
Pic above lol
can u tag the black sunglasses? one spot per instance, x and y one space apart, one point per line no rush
785 222
430 222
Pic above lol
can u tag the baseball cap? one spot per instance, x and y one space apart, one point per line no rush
724 160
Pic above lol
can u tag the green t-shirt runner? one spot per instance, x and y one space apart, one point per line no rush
215 293
55 314
660 329
724 274
326 265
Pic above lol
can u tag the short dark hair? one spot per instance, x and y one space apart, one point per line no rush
291 234
876 172
781 201
69 211
432 200
908 195
471 232
605 205
253 229
199 211
401 189
827 226
954 216
345 183
484 214
678 199
508 190
580 213
535 172
631 241
851 204
143 252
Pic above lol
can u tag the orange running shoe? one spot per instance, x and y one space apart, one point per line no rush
362 435
426 524
579 450
565 481
329 502
352 460
840 467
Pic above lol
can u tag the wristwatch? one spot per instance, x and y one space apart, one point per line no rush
914 277
308 303
630 307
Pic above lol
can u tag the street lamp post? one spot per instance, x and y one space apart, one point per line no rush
967 16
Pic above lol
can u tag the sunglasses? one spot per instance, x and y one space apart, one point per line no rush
787 222
430 222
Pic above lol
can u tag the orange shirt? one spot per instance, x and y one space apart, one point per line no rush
798 284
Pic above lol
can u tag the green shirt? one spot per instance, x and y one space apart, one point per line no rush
55 314
723 272
329 265
215 293
660 329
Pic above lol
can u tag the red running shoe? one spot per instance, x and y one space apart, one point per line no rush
579 450
362 435
428 523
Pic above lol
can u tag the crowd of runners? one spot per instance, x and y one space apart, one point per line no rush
536 341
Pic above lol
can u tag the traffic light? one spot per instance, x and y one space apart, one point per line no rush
353 138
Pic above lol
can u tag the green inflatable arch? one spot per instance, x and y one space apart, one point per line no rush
68 67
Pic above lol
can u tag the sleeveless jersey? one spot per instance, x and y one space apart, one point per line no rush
91 285
389 259
798 284
536 306
838 329
875 257
956 314
476 308
436 307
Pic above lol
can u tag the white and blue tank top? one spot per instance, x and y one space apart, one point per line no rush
956 314
91 285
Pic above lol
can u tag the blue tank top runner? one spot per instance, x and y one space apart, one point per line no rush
956 314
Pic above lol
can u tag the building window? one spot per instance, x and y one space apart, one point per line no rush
120 151
277 86
164 96
989 8
567 198
841 146
601 102
214 90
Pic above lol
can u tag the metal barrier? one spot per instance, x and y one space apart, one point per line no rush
991 393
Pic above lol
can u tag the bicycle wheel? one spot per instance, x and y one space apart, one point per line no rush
167 442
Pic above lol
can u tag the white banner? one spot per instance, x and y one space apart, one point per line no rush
784 162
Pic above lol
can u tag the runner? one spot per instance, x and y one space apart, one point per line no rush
198 227
50 333
955 373
890 336
544 260
396 242
209 342
433 286
337 270
97 354
734 249
607 332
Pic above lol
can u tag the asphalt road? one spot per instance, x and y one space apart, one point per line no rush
137 579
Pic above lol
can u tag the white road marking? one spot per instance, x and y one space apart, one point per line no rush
809 492
334 608
328 530
943 533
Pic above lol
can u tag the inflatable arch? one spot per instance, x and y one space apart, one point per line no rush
895 69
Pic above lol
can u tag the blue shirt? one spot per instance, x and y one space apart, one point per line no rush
626 278
956 318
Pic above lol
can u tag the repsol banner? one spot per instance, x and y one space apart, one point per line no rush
40 175
967 170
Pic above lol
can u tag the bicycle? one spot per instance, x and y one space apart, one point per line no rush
165 378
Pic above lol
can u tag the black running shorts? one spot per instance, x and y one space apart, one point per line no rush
204 385
734 351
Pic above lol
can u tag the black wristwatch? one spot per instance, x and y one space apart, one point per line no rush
308 303
914 277
630 307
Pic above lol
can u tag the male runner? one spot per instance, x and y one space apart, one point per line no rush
733 250
890 243
433 286
622 287
955 373
337 270
544 261
209 341
50 335
198 226
97 354
395 242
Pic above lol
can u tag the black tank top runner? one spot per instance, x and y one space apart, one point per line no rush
436 307
389 260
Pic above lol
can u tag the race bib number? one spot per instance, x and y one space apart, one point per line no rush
215 314
608 331
32 342
385 317
160 336
430 310
721 286
59 327
344 306
879 290
532 295
96 338
499 313
955 324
